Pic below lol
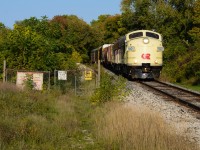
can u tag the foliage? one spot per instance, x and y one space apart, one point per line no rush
109 28
29 84
43 44
195 32
110 89
178 22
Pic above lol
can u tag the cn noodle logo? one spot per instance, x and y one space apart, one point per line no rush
146 56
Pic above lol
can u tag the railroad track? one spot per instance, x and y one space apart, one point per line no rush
183 96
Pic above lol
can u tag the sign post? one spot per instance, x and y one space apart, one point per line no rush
99 76
4 71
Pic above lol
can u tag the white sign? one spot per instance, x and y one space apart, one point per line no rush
62 75
37 79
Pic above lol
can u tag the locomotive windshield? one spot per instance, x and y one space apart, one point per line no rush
135 35
153 35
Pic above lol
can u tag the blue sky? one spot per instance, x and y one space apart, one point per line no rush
88 10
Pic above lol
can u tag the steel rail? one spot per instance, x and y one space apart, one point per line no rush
176 95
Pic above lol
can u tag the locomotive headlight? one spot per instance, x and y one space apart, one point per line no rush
135 61
146 40
156 62
131 48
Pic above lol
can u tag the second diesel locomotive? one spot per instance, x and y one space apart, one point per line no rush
137 55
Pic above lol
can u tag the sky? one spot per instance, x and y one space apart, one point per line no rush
88 10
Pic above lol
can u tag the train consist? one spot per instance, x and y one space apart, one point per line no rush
137 55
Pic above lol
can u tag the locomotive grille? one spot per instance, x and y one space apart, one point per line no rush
146 65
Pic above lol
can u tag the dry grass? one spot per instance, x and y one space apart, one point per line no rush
127 128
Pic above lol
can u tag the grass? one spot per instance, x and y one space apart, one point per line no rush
122 127
52 120
189 84
191 87
35 120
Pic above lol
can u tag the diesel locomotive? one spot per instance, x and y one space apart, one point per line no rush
137 55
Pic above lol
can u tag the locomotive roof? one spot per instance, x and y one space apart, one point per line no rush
144 31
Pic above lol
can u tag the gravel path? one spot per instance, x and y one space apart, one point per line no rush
184 120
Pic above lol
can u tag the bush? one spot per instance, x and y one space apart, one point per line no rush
109 89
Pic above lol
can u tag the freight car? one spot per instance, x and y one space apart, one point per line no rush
137 55
98 54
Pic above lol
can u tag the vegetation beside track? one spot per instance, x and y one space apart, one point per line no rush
51 120
189 86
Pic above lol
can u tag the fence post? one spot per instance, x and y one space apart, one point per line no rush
49 80
75 86
4 71
99 73
54 78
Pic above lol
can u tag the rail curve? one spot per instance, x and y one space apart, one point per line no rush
183 96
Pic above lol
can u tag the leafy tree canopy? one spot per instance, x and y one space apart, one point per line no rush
44 44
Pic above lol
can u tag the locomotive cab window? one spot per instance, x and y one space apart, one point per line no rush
153 35
135 35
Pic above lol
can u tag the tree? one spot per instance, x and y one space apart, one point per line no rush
110 28
43 44
192 67
25 48
195 32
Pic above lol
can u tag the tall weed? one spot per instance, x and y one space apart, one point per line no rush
123 127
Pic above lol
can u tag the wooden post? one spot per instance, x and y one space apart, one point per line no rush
4 71
99 74
49 84
75 86
54 78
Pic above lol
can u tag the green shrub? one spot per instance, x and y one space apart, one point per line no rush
109 89
28 83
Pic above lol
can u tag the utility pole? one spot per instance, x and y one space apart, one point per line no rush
4 71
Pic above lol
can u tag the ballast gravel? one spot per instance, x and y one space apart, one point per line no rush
185 121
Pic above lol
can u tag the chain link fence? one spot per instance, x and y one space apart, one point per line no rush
64 80
67 80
